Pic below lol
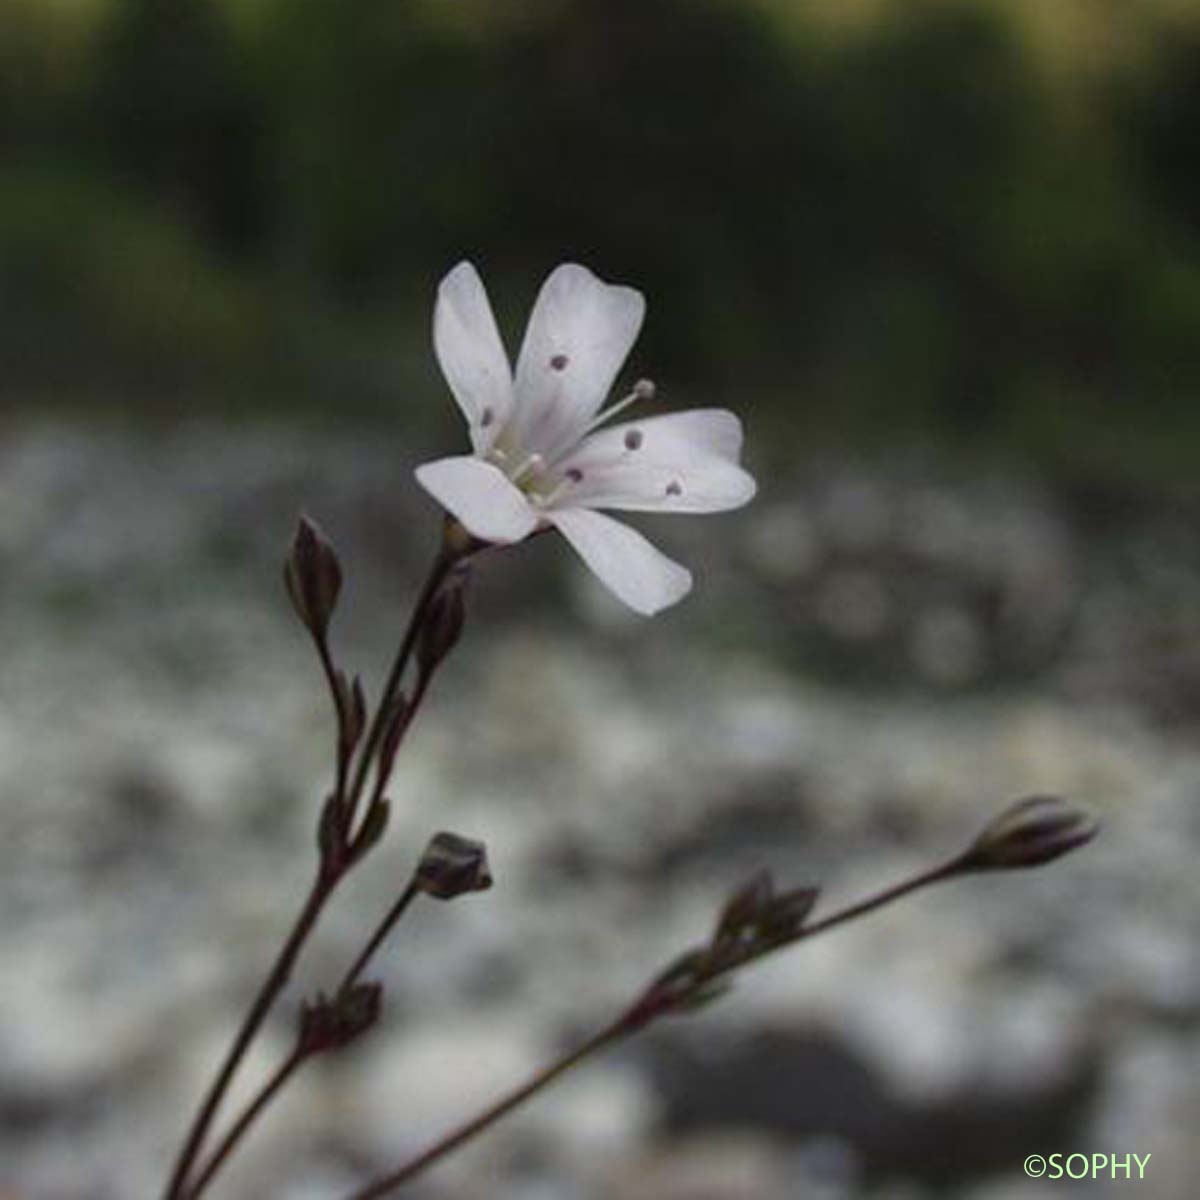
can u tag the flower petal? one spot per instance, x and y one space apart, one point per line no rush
624 561
580 332
480 496
472 355
681 462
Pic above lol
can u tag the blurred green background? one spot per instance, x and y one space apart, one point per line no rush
944 259
966 221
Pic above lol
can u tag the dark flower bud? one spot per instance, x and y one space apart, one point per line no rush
1033 831
443 625
743 911
331 1024
451 866
313 577
784 916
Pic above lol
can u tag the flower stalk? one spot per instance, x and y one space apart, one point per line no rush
313 579
755 922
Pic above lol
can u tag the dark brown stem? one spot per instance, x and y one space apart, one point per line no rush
381 931
342 750
630 1022
323 886
239 1128
270 989
850 913
465 1132
292 1063
437 576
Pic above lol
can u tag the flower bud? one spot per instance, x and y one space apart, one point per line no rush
313 577
331 1024
744 909
451 866
785 915
1032 831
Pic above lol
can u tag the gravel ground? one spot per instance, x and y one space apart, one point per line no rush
875 658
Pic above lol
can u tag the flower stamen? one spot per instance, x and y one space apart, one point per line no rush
569 480
644 389
532 463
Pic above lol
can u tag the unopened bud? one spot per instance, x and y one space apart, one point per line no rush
744 909
331 1024
1033 831
313 577
443 625
451 866
784 917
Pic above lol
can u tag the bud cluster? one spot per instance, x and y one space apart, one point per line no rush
754 920
329 1024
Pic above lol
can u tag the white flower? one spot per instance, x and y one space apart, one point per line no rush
539 455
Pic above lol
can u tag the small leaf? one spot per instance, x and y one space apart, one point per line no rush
702 997
687 968
372 828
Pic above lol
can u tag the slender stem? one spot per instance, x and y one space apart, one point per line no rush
437 575
382 930
322 887
341 749
292 1063
850 913
629 1022
276 978
465 1132
239 1128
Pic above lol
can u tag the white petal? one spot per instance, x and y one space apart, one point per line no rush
638 573
580 332
471 354
681 462
480 496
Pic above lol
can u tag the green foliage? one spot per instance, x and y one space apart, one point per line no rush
907 227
